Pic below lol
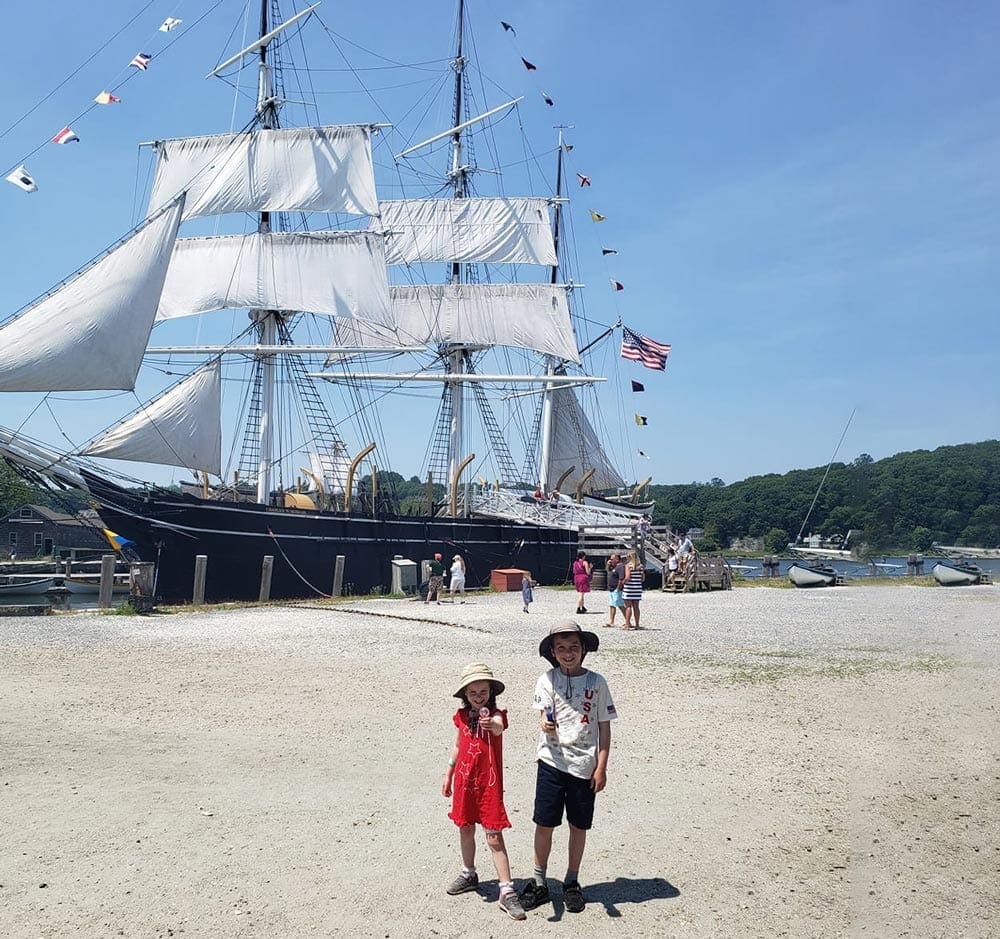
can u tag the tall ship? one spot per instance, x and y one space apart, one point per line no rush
368 270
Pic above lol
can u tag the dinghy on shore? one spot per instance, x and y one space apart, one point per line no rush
956 574
812 575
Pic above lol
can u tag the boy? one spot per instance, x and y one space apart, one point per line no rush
573 746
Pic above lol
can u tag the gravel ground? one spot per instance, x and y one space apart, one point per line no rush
786 763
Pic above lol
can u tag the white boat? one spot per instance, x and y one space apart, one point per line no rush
92 585
15 588
812 575
816 546
956 574
368 241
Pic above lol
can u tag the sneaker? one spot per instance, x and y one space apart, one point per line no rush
463 883
512 906
573 897
533 895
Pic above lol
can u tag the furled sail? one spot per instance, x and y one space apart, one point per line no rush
332 468
308 169
525 316
336 273
182 427
574 443
90 332
497 231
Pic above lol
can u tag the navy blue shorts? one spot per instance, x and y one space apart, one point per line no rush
555 791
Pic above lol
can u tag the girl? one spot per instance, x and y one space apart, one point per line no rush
475 773
581 580
527 592
457 577
632 591
672 566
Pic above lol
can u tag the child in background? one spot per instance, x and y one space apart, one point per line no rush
527 594
573 747
672 566
475 779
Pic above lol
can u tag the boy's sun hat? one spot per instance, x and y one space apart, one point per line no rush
590 640
479 671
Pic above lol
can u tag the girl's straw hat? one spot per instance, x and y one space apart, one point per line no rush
479 671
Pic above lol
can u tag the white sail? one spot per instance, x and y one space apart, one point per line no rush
308 169
182 427
335 273
525 316
90 332
574 443
500 231
332 469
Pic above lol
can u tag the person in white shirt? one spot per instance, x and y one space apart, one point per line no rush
457 583
574 742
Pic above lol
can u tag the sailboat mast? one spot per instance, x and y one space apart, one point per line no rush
266 319
456 356
546 447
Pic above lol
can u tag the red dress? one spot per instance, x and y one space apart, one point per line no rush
477 786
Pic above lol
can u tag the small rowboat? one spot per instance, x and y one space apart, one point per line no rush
956 574
81 585
813 575
26 587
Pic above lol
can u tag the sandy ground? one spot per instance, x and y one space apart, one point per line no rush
786 763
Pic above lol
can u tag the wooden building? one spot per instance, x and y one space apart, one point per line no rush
34 531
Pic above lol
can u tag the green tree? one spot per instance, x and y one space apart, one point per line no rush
14 491
776 540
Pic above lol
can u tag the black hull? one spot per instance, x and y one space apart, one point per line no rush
172 530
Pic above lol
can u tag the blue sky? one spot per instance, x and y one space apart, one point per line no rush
805 197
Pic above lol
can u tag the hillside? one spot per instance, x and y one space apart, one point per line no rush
906 501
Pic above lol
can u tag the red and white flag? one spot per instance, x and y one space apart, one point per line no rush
141 61
66 135
105 97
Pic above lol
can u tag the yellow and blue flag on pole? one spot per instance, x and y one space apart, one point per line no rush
116 541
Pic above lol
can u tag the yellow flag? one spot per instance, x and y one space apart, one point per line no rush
597 217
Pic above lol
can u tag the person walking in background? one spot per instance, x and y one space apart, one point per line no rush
635 575
476 786
616 579
582 569
574 743
527 590
435 582
457 577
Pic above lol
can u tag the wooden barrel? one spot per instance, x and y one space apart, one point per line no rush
599 579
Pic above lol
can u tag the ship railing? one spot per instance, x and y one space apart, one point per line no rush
561 514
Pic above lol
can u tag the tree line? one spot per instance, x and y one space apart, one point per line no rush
905 502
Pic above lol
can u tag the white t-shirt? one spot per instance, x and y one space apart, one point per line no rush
457 572
579 704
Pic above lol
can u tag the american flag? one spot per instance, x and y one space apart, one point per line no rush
645 350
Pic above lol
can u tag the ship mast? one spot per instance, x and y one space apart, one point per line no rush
459 177
546 448
266 320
